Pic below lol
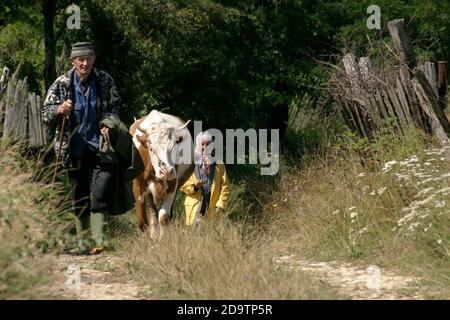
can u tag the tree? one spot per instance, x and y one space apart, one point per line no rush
48 10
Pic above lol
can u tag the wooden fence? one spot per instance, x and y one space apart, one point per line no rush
406 95
20 112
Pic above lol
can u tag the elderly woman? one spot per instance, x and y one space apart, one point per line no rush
207 188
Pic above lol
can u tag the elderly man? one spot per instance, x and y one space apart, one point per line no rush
207 188
82 98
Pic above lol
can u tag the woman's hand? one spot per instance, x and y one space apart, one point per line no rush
198 183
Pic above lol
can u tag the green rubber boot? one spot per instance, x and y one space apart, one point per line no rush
82 226
97 225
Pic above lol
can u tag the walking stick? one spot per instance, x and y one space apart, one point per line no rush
58 155
61 136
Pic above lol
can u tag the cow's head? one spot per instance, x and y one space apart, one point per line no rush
162 141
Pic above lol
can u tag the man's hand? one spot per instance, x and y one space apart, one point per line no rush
105 133
65 108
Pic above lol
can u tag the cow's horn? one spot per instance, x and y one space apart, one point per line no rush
142 129
184 125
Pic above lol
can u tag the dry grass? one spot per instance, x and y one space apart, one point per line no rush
25 227
346 207
214 262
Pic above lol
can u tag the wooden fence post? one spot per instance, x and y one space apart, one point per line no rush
20 114
442 83
402 46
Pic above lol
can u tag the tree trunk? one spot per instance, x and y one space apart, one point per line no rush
48 9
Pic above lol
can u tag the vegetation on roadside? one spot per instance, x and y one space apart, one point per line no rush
385 203
32 221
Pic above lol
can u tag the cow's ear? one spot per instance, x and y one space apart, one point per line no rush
142 140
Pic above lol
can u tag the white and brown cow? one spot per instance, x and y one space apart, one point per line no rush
161 140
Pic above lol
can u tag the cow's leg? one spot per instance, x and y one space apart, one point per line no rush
164 212
140 206
151 214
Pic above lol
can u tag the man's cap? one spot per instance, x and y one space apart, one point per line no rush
82 49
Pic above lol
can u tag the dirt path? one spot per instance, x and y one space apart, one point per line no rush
100 277
104 277
358 282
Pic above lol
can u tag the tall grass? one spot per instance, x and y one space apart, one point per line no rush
385 203
29 225
215 262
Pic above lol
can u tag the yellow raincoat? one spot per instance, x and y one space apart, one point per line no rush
219 194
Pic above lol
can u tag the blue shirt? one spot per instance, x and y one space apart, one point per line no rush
84 118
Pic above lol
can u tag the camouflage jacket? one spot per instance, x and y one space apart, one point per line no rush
108 101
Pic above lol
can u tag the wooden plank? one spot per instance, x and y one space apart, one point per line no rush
404 104
356 118
39 139
397 108
430 73
7 100
372 112
4 80
36 120
2 114
402 46
433 100
416 111
43 128
351 120
365 72
387 111
442 83
380 105
32 125
24 128
377 110
18 113
23 113
390 108
12 110
351 68
387 104
361 120
346 115
436 126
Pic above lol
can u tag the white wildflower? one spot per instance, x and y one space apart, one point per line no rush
381 190
353 214
412 227
387 166
439 241
439 204
423 191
